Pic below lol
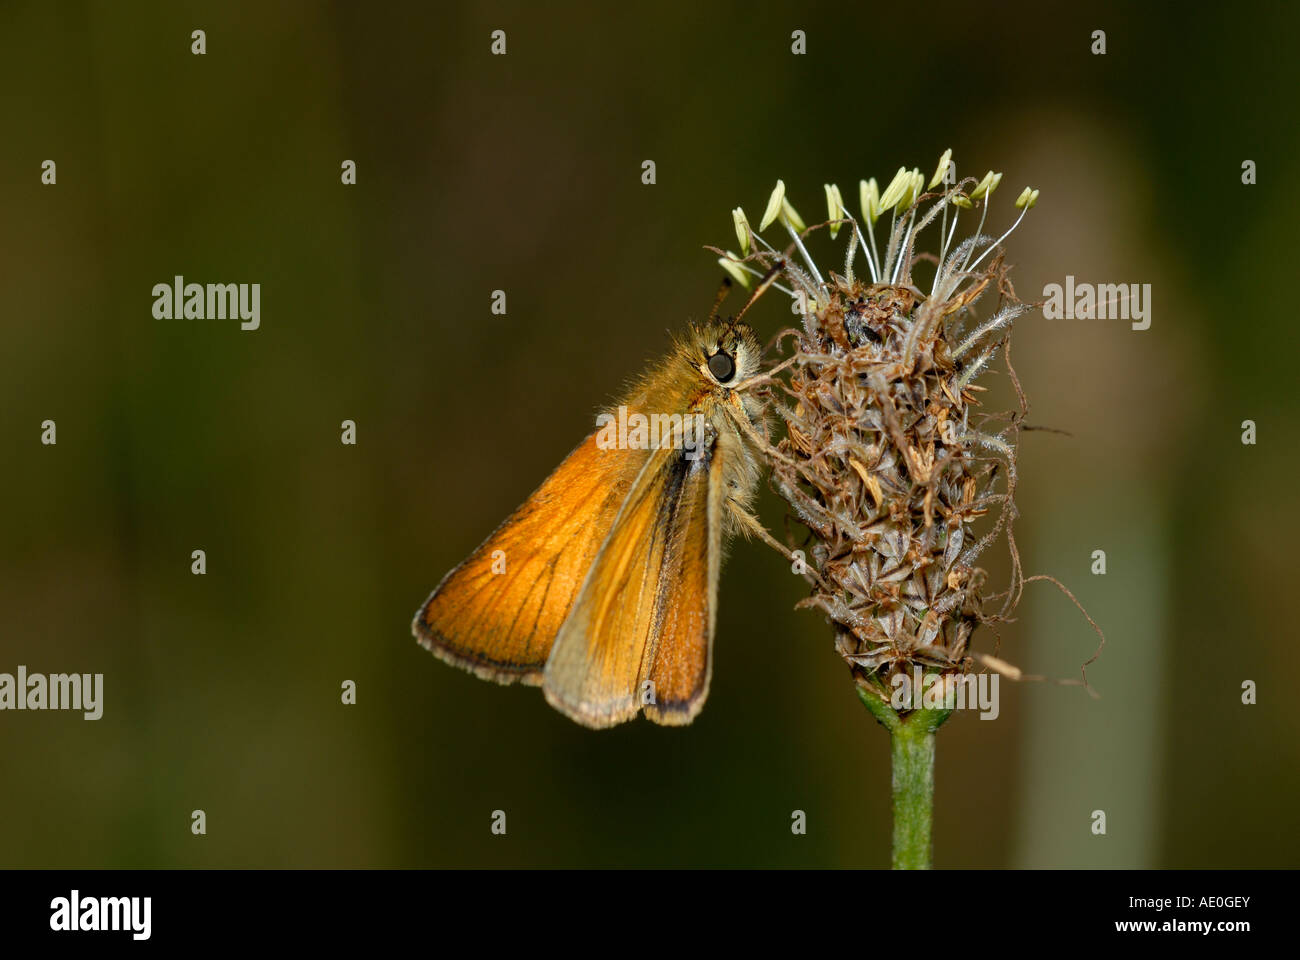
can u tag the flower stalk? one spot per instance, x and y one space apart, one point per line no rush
911 751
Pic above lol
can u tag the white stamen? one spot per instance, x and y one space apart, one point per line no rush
1000 239
807 259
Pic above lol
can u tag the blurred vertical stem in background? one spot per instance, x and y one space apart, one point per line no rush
1123 503
911 738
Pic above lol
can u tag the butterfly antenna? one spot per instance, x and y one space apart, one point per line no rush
768 279
717 301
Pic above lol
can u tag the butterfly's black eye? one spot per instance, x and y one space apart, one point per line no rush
723 366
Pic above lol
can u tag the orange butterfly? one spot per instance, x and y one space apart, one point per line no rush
602 587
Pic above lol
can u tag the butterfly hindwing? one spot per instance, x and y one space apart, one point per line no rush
683 662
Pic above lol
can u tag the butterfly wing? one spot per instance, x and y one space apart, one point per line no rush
646 609
498 613
683 661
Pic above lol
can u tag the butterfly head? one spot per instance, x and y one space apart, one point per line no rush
726 352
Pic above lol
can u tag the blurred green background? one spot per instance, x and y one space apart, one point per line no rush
522 173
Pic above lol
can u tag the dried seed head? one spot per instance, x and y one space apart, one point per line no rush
888 458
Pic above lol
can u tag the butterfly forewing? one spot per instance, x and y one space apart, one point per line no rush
498 613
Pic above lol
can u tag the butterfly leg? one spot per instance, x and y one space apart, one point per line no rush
749 525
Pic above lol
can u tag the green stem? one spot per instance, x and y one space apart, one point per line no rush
912 760
912 757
